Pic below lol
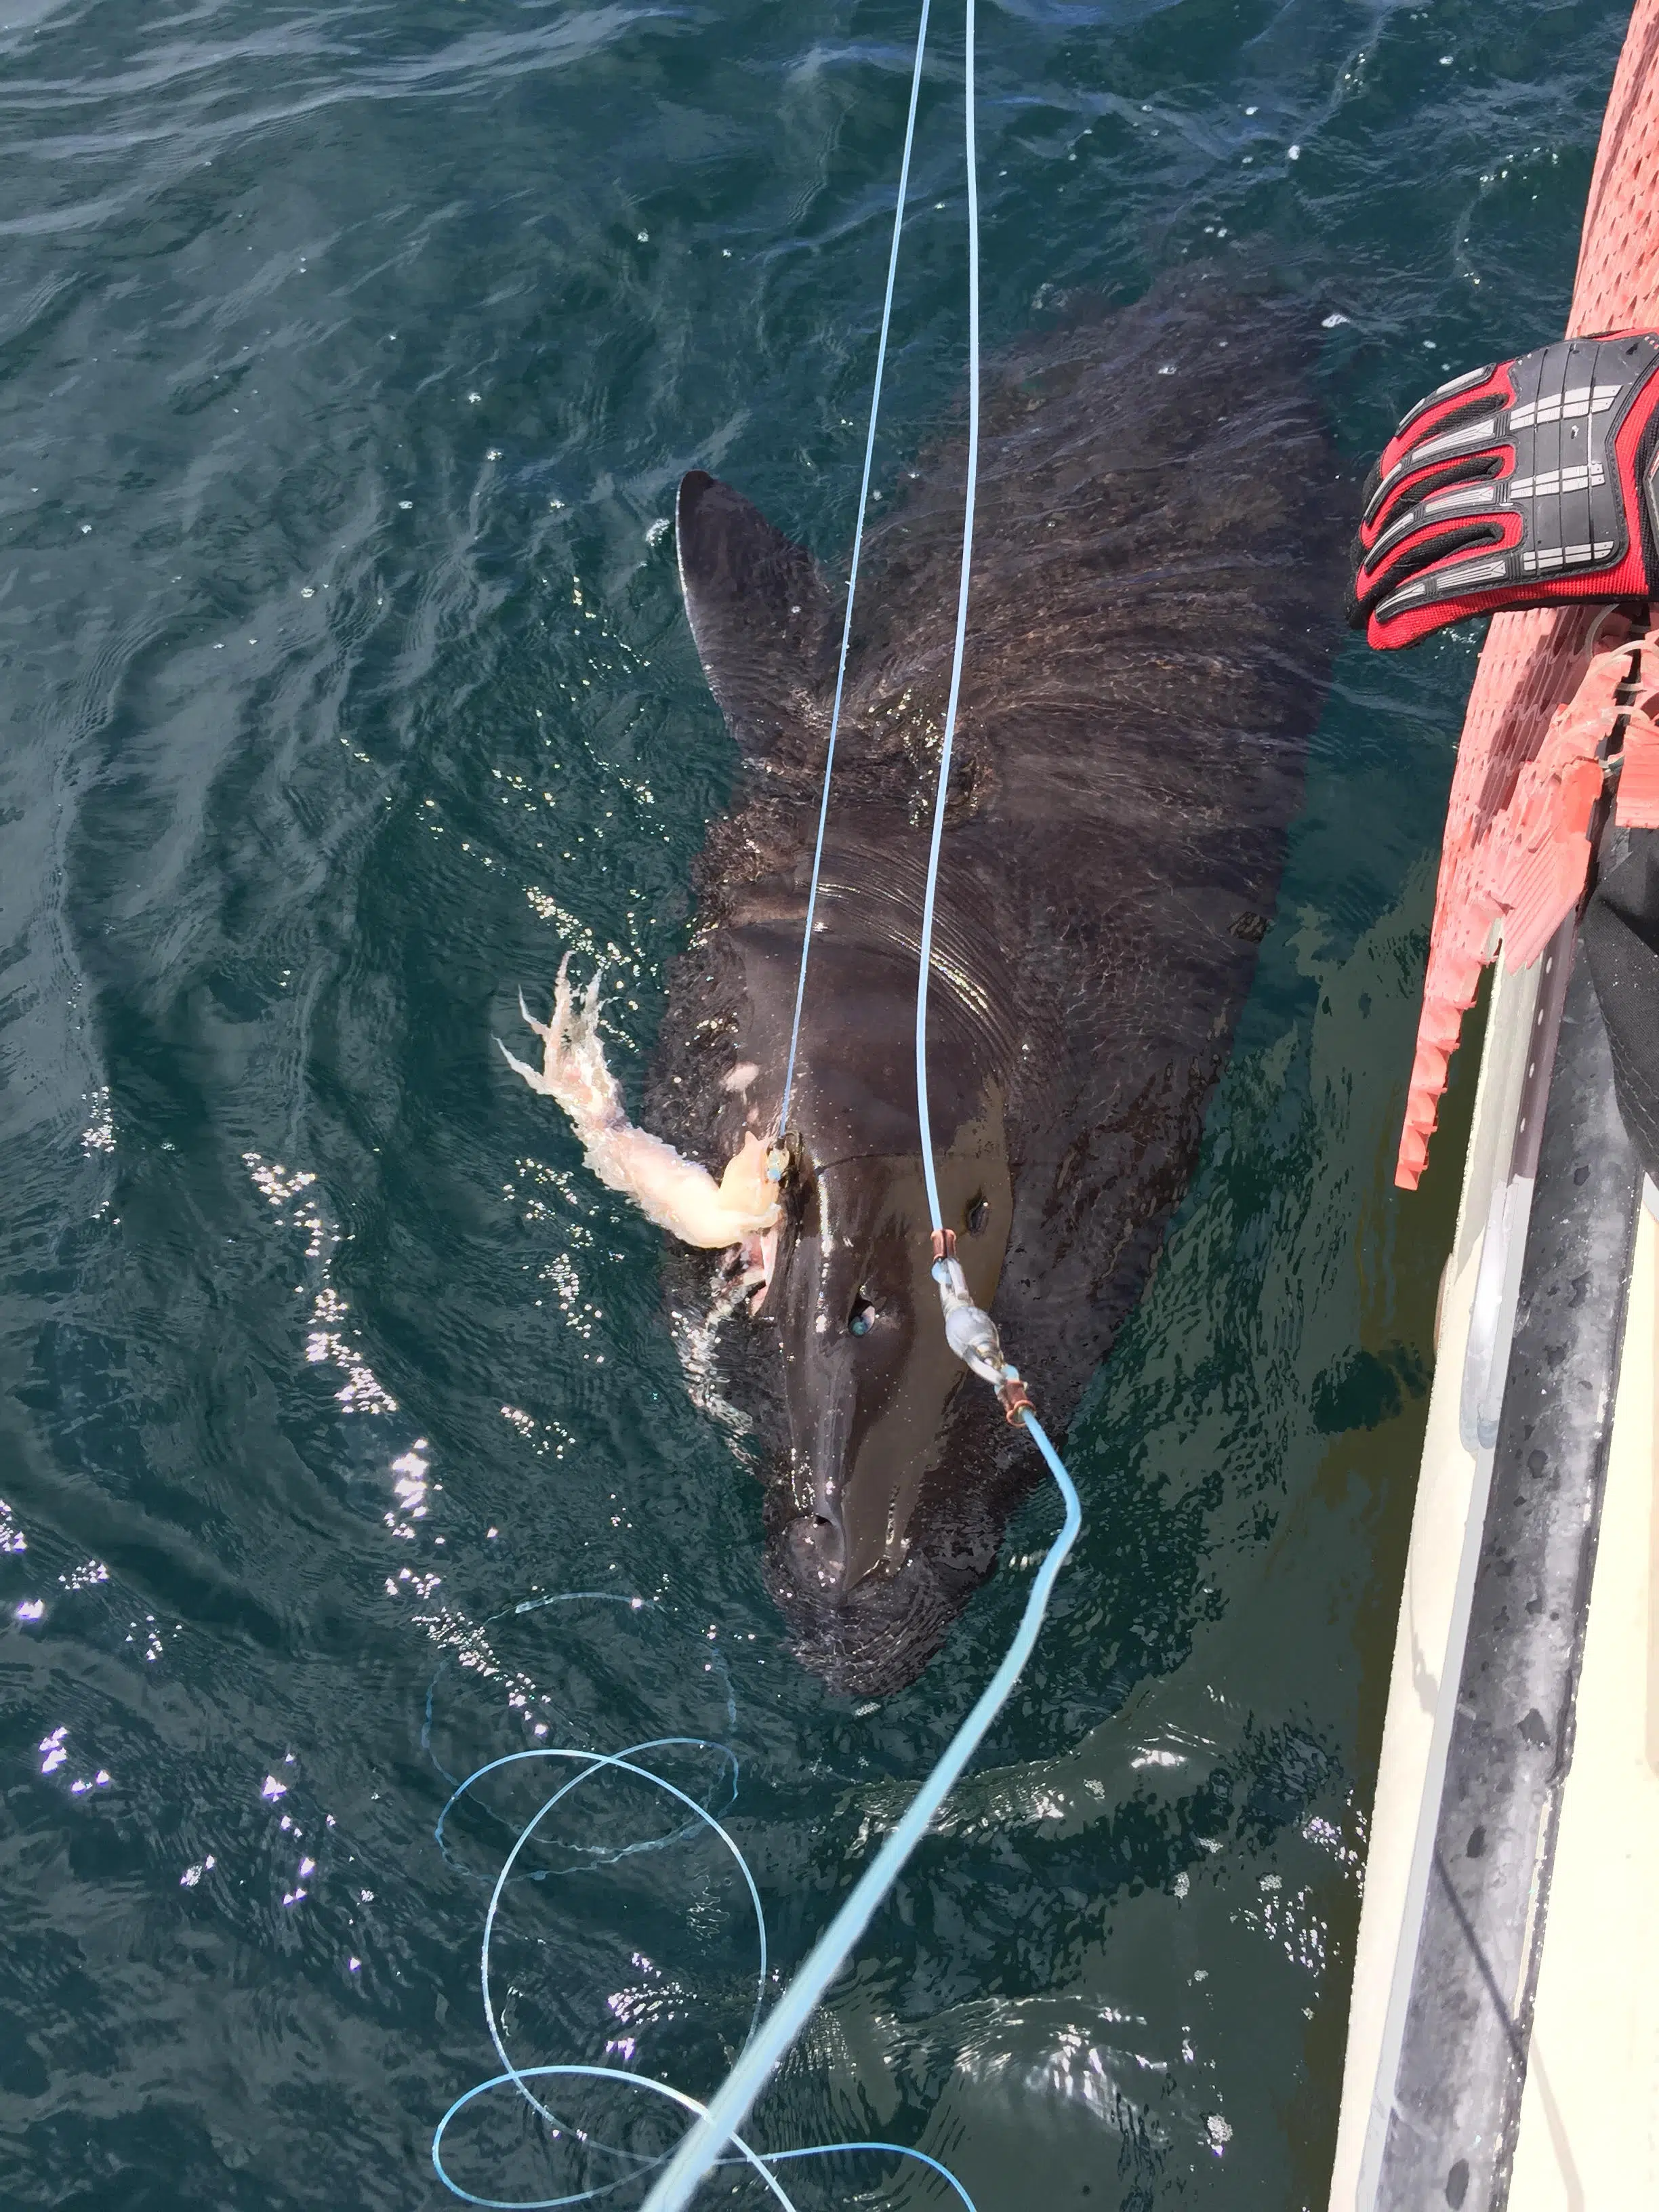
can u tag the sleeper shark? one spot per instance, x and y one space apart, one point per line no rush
1151 625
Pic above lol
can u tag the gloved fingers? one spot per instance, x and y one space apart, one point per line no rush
1475 438
1410 489
1413 459
1464 499
1523 483
1461 399
1428 544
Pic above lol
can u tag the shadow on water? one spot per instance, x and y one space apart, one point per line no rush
348 361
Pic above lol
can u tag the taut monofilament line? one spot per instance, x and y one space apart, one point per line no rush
852 575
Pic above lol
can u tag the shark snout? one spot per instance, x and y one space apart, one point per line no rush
868 1372
818 1541
818 1548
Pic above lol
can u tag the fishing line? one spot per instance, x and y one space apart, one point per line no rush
700 2150
704 2142
947 741
626 1762
853 577
973 1336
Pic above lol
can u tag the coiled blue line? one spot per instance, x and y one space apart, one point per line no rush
853 577
520 2077
759 2161
715 2125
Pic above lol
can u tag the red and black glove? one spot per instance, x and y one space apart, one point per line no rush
1516 486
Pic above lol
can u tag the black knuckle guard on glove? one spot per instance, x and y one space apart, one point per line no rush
1520 485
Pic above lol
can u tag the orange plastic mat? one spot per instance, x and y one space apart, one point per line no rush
1516 752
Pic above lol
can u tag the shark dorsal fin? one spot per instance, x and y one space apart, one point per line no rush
761 613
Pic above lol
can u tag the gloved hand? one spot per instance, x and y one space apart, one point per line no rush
1516 486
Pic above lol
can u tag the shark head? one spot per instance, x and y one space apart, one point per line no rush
866 1375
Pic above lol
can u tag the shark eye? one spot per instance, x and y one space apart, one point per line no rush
978 1214
863 1313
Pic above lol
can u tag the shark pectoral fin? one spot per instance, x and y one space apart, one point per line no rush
761 616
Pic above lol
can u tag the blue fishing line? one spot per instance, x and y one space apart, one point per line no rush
593 1763
758 2161
853 578
714 2126
520 2077
700 2150
948 741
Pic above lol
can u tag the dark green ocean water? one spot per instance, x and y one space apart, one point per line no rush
348 358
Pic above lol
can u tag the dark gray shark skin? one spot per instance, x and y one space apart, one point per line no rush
1152 617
